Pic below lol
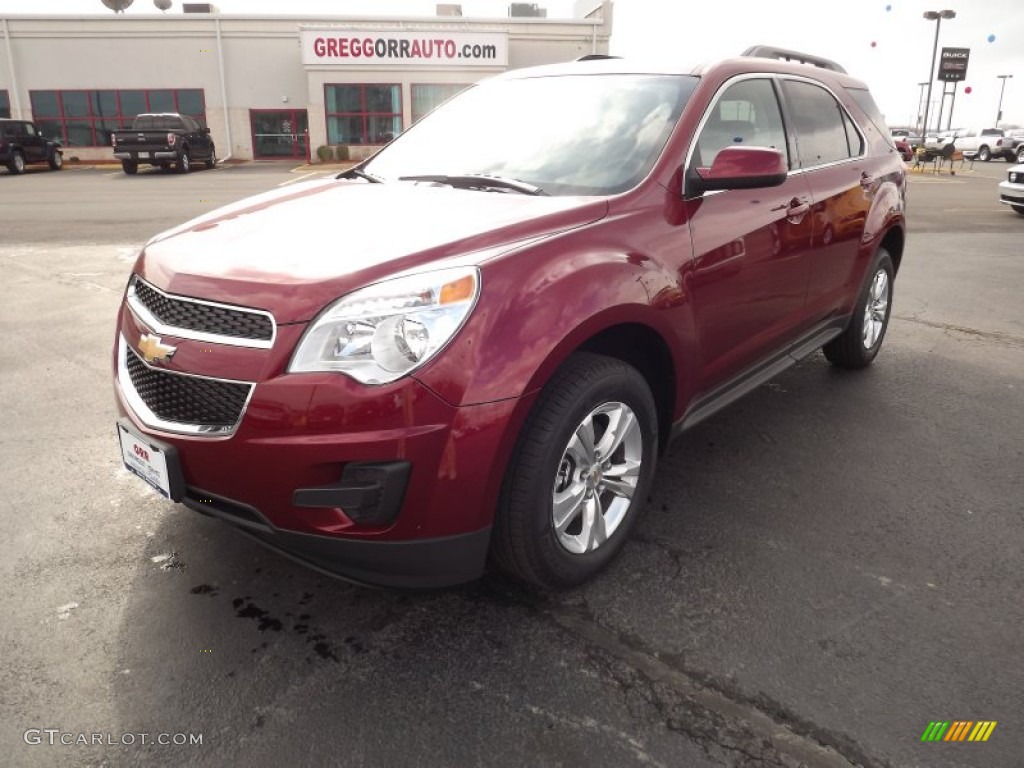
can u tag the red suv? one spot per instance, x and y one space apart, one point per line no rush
498 322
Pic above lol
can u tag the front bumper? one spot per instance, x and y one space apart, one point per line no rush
298 472
1010 193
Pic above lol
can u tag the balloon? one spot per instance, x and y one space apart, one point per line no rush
991 38
968 89
873 43
888 7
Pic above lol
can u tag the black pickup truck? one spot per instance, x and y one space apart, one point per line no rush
164 139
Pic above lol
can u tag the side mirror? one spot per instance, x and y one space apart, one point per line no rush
740 168
206 131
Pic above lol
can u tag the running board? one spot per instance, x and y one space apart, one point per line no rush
707 405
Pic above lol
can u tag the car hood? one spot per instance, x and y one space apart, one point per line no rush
293 251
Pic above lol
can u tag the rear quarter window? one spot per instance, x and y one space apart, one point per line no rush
863 99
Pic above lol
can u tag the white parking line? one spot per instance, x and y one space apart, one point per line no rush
300 178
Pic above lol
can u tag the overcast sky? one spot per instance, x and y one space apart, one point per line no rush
694 31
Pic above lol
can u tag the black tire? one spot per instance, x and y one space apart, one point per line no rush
16 164
1020 154
984 154
1019 209
525 542
211 161
130 167
56 160
184 162
851 349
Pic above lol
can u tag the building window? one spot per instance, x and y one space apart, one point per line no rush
5 104
426 97
87 118
363 113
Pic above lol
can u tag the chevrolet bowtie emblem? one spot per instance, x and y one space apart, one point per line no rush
153 351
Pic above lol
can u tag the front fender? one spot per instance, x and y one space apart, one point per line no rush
537 307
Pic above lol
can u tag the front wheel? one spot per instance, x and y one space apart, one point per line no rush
984 154
579 475
56 160
211 161
17 163
184 163
858 345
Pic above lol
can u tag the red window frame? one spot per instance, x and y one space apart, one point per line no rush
123 120
362 103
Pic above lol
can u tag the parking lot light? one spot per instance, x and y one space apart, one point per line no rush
937 17
1002 89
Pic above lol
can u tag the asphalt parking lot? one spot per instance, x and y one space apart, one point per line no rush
824 568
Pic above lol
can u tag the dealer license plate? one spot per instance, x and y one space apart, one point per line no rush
145 460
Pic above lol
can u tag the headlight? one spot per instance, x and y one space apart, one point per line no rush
381 333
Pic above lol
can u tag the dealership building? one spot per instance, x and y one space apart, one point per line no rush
265 85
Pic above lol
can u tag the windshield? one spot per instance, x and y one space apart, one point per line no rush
569 135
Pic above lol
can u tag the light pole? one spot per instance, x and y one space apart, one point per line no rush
937 17
1002 88
920 109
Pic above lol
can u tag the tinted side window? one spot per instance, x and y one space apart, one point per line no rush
819 123
746 114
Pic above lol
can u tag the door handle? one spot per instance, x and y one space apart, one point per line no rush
866 180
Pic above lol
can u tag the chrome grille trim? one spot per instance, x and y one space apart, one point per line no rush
150 320
150 419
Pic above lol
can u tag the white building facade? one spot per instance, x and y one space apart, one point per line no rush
265 85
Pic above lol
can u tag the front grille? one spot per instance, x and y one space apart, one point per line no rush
203 317
195 402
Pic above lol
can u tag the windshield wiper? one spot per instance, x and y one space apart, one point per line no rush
358 174
477 181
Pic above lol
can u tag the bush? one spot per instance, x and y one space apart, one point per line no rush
323 153
341 152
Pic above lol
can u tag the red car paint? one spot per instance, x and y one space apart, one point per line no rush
712 284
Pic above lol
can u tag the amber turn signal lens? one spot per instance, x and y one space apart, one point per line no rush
458 290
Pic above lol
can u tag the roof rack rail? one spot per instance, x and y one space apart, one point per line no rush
596 57
771 52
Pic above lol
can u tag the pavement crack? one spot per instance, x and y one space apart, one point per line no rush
712 713
1009 339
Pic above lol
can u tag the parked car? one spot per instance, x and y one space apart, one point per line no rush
1016 138
904 149
1011 191
164 139
536 287
977 143
21 144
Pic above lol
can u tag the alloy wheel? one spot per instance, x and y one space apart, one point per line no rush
876 309
597 478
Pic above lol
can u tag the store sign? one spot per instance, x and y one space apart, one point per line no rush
405 47
953 64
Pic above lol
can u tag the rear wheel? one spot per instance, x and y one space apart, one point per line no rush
858 345
17 163
56 160
579 475
984 154
130 167
184 162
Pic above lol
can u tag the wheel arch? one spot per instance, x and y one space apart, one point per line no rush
893 242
